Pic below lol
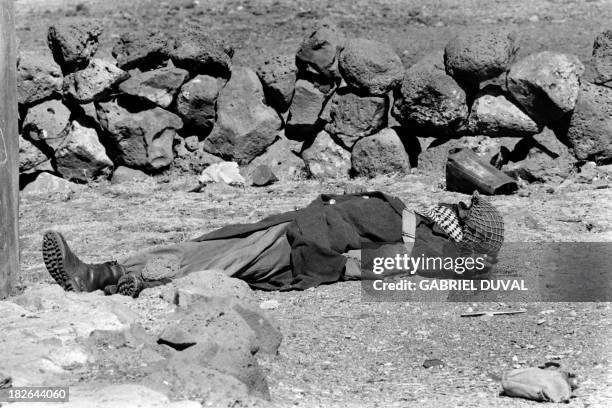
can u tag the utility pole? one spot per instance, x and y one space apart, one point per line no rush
9 151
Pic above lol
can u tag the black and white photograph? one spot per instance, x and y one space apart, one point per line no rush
290 203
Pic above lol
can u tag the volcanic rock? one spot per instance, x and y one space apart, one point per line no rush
281 160
141 140
158 86
81 156
47 123
478 56
124 174
305 109
602 58
589 131
29 155
318 52
430 100
278 76
142 49
245 126
382 153
197 99
263 176
494 114
38 77
352 117
94 82
73 44
546 84
199 53
325 159
370 67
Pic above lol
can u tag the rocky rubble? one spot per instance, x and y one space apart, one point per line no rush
196 338
176 103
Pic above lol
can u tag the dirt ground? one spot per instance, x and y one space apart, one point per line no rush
340 351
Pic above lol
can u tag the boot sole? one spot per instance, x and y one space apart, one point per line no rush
129 285
54 252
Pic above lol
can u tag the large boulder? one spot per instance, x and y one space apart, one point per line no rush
430 100
477 56
30 156
197 99
494 114
325 159
278 75
142 49
540 158
158 86
305 108
245 125
47 123
546 84
73 44
81 156
352 117
200 53
38 77
382 153
140 140
283 162
94 82
318 52
589 131
370 67
602 58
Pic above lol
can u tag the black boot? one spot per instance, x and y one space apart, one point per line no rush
70 272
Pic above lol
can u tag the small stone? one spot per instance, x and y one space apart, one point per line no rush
263 176
47 123
382 153
46 184
224 172
434 362
546 84
325 159
474 57
352 117
124 174
192 143
278 76
38 77
94 82
81 156
73 44
158 86
269 304
370 67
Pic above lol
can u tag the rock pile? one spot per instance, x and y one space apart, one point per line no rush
176 102
197 338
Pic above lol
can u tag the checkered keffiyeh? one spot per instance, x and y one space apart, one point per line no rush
447 220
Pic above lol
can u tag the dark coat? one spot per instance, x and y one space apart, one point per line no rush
328 227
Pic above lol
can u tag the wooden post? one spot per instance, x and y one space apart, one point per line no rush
9 151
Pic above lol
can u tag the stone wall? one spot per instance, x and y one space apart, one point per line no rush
339 107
